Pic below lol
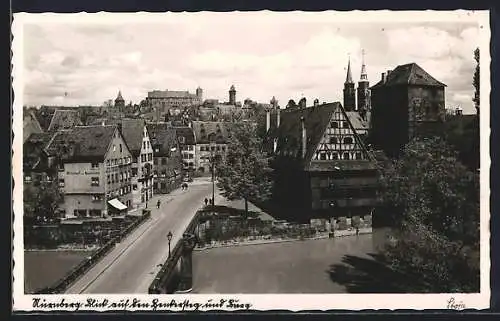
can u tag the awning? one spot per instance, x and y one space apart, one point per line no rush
117 204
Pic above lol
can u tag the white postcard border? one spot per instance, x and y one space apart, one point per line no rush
292 302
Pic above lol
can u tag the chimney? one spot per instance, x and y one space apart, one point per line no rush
304 136
268 120
316 102
388 73
383 78
278 117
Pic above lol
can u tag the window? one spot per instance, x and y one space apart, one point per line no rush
108 179
333 140
108 163
218 148
150 156
334 124
121 148
121 177
348 140
61 182
358 155
335 156
80 213
223 148
202 148
182 139
134 172
322 156
164 161
95 165
345 124
96 198
134 187
114 148
61 166
94 181
345 155
95 212
144 145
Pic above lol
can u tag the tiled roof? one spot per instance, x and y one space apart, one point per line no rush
316 120
44 117
187 133
204 131
30 124
33 148
132 130
409 74
64 119
357 121
162 136
82 143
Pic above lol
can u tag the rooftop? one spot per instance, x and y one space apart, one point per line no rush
132 130
409 74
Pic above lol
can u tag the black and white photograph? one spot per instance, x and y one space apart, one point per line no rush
189 161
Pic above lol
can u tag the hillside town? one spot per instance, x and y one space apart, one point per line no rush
88 167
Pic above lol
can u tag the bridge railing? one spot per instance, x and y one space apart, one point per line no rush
64 283
166 279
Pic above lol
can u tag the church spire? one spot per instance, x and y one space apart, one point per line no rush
348 79
364 75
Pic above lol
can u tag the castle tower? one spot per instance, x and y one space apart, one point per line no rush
119 101
199 93
349 91
232 95
363 90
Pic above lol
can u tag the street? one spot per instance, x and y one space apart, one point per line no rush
132 265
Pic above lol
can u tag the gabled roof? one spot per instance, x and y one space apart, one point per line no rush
409 74
82 143
33 148
204 131
30 124
357 121
289 133
44 117
316 120
163 137
132 131
64 119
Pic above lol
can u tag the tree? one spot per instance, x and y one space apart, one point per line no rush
476 81
42 200
435 200
291 104
244 173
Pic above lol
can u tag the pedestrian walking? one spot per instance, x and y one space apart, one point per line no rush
206 201
158 204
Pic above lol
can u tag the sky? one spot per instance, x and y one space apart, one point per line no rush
75 62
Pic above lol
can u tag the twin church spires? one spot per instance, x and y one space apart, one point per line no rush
363 91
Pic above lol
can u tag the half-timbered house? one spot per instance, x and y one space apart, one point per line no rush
322 166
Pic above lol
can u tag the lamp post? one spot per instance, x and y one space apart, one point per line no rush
212 160
169 238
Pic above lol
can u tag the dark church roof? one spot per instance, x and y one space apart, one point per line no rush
83 143
409 74
132 131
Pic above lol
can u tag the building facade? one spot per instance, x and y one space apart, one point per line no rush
406 102
163 100
95 171
136 136
187 146
211 141
322 167
166 157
